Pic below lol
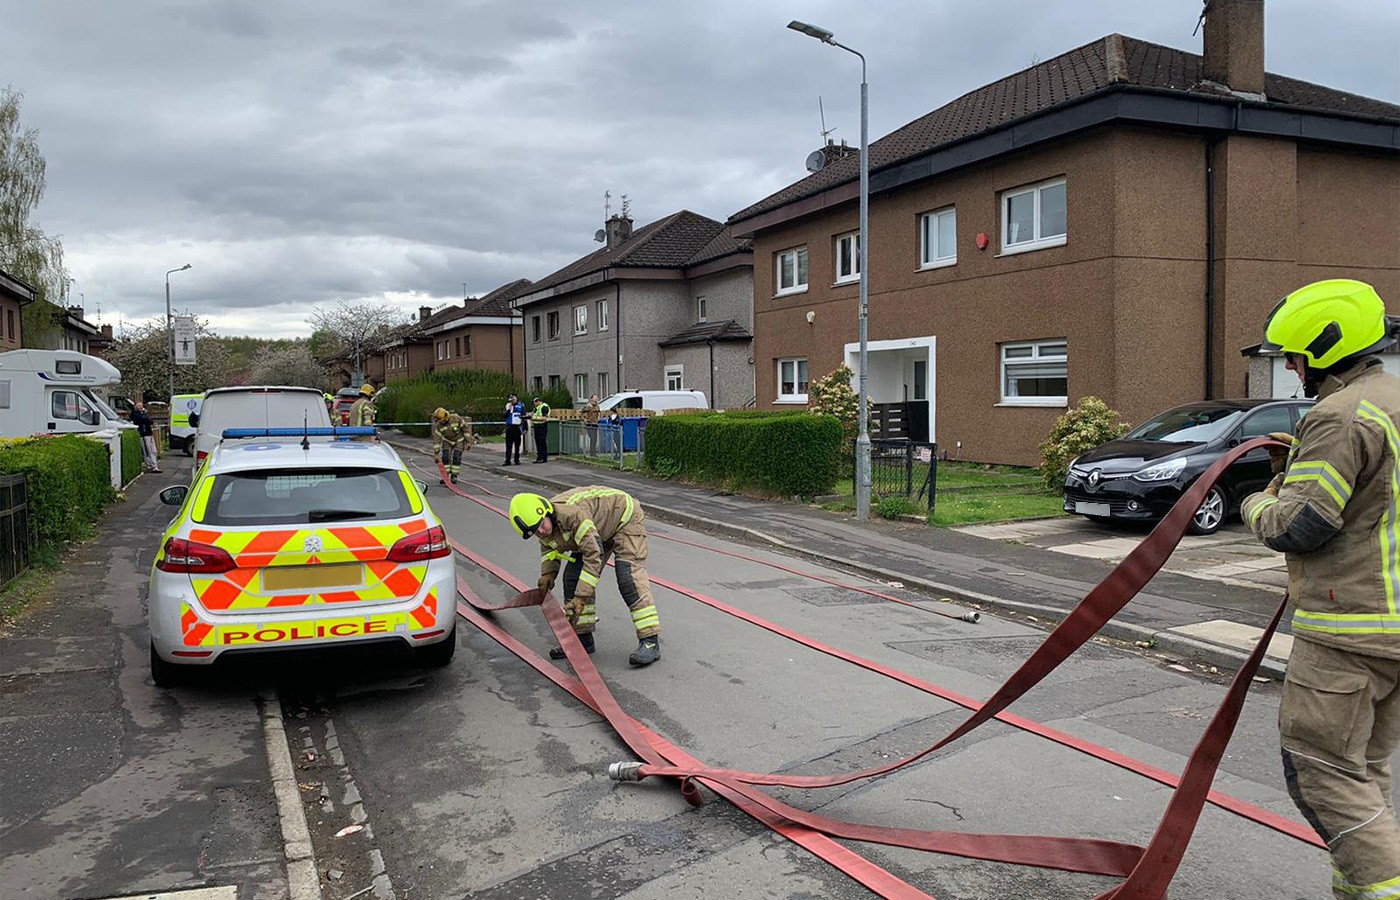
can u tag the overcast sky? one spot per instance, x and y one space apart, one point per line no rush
310 150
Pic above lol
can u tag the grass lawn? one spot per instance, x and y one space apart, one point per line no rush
968 493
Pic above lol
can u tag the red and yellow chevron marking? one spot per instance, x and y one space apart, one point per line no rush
199 634
287 546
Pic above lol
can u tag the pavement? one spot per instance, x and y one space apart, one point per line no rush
1209 603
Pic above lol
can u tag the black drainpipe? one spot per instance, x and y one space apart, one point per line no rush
1210 265
617 303
712 374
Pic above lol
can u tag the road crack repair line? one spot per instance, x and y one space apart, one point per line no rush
344 836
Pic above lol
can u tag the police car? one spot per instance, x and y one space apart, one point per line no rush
299 538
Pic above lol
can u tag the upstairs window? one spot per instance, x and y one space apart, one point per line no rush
848 257
938 244
792 271
701 313
580 320
535 329
1033 217
602 307
552 320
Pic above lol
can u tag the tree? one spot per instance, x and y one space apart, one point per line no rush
353 328
288 364
25 250
143 357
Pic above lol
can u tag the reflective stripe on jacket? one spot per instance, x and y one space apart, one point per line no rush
540 414
586 518
362 412
455 432
1337 514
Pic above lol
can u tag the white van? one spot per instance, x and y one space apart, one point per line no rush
182 427
262 406
657 401
56 392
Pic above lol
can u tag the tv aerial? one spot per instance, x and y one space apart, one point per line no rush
816 160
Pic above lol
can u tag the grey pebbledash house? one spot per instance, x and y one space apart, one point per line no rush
667 306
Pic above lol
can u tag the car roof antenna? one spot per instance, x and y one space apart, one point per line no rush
305 438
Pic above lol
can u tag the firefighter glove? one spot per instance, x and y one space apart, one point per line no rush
1278 456
546 582
572 607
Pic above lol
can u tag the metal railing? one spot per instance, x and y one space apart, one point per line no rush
16 527
900 468
622 445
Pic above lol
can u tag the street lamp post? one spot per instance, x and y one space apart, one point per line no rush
170 330
862 485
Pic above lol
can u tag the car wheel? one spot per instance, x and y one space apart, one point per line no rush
1211 514
166 674
435 656
188 446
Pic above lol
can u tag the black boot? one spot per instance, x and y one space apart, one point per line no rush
585 639
648 651
454 477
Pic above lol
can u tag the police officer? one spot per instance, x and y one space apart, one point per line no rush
583 527
1334 511
451 435
539 428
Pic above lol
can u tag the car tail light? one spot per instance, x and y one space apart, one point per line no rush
199 456
430 544
193 557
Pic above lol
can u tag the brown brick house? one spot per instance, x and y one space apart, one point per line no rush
1115 221
480 333
15 295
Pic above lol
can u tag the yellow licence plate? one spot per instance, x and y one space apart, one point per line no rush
291 578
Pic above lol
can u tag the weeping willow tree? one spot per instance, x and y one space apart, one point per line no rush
26 251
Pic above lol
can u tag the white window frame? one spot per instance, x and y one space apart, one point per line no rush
1037 241
797 396
602 315
535 330
580 385
581 319
929 224
853 276
678 372
1050 350
797 253
551 325
701 310
602 384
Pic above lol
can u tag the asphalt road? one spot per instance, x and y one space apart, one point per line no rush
485 780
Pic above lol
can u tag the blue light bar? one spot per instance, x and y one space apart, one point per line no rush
342 431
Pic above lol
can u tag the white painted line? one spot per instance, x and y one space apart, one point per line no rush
222 892
1236 635
303 881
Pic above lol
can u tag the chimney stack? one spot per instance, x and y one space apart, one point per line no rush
424 312
107 332
1234 45
619 229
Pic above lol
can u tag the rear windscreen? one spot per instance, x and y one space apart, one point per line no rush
306 496
262 409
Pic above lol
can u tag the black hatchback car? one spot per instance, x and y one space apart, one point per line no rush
1141 476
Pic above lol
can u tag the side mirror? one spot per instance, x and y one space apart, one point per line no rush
422 486
175 496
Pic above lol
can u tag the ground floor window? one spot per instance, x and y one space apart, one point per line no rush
581 386
1035 373
792 381
675 378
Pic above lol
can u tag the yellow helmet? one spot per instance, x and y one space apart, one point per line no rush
367 390
527 511
1327 322
440 414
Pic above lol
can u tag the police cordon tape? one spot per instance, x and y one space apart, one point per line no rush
1148 871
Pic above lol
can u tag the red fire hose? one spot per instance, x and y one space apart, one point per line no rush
1148 871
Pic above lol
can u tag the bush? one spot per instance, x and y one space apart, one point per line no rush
1083 428
69 483
832 395
784 454
478 393
133 459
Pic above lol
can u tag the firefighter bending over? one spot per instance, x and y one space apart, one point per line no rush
452 434
580 529
1332 509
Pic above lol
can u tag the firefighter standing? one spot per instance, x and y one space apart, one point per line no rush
1334 511
452 434
583 527
362 410
539 427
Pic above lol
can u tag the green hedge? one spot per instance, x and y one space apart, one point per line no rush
785 454
133 460
69 483
479 393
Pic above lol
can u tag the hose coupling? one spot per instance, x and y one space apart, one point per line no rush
625 771
972 616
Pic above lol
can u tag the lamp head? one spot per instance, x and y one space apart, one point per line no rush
820 34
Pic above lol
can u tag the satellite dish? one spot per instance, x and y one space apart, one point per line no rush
600 235
816 161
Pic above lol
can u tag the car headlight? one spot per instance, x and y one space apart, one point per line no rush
1164 471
